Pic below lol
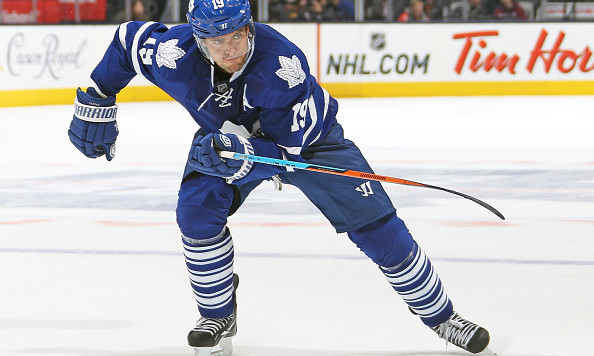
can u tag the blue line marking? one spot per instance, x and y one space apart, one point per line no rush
295 256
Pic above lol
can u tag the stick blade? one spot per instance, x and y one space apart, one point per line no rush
471 198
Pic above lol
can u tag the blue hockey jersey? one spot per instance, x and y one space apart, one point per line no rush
274 97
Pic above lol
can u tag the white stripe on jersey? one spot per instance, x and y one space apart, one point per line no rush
289 169
291 150
122 31
313 114
94 85
134 52
326 102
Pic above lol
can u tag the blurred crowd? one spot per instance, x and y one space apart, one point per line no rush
278 10
311 10
344 10
140 10
118 11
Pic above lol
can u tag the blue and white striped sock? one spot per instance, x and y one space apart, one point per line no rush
210 264
420 287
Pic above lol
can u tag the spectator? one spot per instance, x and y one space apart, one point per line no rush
415 13
276 11
477 11
138 13
286 10
112 7
474 10
490 5
254 5
379 10
432 10
313 10
155 9
509 10
339 11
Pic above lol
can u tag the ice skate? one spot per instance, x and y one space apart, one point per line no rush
211 336
462 333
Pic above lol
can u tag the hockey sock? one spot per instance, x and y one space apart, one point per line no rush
210 264
417 283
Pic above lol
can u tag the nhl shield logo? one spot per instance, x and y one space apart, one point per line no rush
222 87
378 41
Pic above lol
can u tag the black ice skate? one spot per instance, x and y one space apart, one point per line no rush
212 337
463 333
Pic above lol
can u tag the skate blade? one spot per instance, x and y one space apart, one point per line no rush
224 348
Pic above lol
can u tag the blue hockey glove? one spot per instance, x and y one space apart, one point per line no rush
93 129
204 157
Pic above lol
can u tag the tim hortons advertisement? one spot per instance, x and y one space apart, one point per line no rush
445 53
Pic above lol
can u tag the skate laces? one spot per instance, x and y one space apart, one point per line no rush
456 330
211 325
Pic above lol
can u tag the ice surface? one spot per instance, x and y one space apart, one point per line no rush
91 263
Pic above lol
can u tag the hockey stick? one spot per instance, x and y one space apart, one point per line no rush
350 173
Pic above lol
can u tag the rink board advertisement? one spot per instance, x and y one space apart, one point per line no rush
49 56
44 64
454 59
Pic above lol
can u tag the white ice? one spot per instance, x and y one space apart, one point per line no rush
91 263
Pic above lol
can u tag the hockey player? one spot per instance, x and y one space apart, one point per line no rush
250 90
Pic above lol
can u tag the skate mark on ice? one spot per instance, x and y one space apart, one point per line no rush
61 351
280 351
304 256
76 324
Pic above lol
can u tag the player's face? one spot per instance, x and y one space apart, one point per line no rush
230 51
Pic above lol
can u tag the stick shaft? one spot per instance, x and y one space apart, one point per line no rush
350 173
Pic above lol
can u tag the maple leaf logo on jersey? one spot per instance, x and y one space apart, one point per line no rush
291 70
167 53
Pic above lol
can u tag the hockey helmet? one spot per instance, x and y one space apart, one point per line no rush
216 18
211 18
